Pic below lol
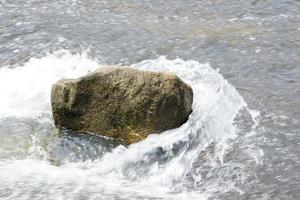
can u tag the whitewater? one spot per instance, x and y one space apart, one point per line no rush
162 163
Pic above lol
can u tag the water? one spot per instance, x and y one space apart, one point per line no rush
241 59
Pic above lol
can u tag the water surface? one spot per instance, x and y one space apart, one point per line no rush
241 58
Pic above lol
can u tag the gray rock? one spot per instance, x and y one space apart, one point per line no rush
122 103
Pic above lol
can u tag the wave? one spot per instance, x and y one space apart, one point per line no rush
157 167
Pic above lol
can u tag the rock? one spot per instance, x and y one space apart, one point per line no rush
122 103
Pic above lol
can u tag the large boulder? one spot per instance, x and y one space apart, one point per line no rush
122 103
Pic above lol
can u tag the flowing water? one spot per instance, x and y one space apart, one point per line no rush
242 59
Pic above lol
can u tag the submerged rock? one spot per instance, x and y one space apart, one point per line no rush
122 103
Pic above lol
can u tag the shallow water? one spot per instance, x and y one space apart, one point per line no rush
241 58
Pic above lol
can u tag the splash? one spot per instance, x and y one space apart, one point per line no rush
160 163
25 90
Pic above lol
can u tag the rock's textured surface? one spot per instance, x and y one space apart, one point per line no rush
122 103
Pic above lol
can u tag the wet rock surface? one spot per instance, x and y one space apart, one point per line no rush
122 103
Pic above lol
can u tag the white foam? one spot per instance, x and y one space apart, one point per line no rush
25 90
135 171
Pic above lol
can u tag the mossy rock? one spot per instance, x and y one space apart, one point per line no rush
122 103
